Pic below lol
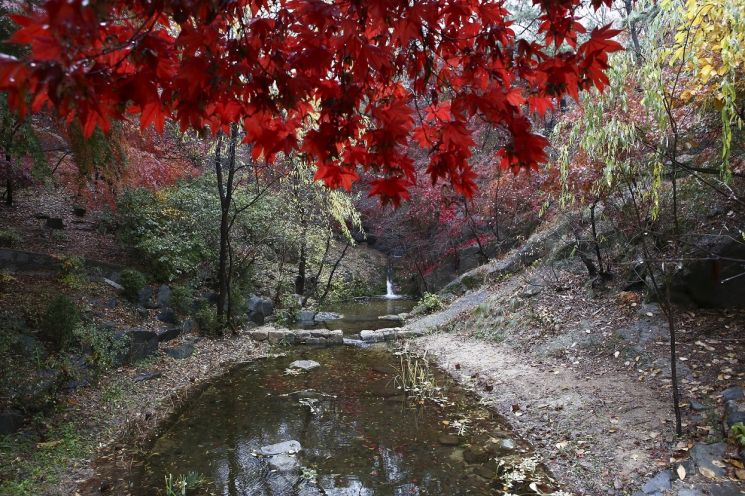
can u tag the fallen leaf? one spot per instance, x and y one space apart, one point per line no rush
681 472
707 472
740 473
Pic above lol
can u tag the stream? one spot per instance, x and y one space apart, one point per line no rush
354 431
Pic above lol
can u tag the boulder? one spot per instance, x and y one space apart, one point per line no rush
10 421
169 333
659 483
168 315
711 278
142 343
55 223
733 393
163 298
305 365
259 308
145 297
734 412
705 456
181 351
306 316
325 316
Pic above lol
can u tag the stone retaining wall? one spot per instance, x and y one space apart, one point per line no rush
389 334
273 335
325 337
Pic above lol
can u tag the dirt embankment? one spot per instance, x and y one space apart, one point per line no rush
584 375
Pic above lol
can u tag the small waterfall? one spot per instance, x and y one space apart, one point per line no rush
390 292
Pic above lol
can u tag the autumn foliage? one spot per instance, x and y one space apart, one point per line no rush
350 84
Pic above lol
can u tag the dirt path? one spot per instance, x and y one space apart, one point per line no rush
596 433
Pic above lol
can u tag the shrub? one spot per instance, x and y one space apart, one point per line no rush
208 321
181 299
429 303
288 312
59 321
133 281
10 237
103 347
73 275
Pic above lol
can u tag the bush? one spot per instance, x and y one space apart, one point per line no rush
172 229
429 303
73 272
10 237
133 281
207 320
181 299
103 347
288 312
59 321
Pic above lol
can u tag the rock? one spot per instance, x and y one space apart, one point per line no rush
725 489
507 444
167 315
10 421
659 483
283 463
188 325
325 316
163 298
531 290
147 376
687 491
181 351
734 412
306 316
168 334
113 284
694 282
478 454
55 223
305 365
145 297
704 456
259 308
697 406
283 448
256 317
142 343
733 393
449 440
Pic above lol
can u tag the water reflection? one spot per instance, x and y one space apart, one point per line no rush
358 435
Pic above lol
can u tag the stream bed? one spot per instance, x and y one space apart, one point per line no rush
354 424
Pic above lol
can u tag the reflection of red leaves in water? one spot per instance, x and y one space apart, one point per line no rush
351 406
276 382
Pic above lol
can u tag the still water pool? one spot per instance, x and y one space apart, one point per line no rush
359 435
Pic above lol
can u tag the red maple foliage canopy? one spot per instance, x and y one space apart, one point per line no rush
349 83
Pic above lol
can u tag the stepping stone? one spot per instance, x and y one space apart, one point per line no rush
283 448
305 365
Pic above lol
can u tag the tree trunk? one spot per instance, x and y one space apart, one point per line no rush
225 189
8 182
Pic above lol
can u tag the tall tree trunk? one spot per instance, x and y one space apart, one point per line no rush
8 182
225 188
